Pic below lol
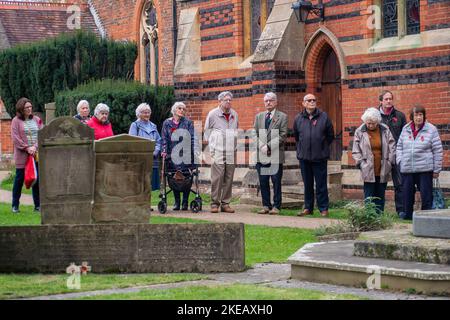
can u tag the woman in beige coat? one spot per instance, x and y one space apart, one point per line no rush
374 153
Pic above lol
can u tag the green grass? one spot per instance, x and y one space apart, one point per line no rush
226 292
267 244
7 184
20 286
25 217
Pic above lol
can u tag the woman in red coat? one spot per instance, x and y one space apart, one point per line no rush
100 123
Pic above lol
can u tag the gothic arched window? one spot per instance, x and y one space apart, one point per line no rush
149 44
256 13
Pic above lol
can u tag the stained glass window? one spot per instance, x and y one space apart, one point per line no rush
412 17
390 18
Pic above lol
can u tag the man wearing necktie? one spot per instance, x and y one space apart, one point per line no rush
271 130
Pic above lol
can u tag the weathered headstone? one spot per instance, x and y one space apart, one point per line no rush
50 109
122 179
66 172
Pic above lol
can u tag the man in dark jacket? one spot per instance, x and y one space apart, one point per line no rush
395 120
313 133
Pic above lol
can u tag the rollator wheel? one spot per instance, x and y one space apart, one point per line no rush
162 207
195 206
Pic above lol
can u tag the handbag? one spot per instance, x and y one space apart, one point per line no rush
438 196
31 173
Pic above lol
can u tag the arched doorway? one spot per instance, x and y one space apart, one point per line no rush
331 98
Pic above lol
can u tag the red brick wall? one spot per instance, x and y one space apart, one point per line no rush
5 137
121 19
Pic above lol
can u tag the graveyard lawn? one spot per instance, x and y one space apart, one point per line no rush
226 292
262 244
21 286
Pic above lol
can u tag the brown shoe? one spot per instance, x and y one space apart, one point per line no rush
264 210
305 212
274 211
214 209
226 208
324 213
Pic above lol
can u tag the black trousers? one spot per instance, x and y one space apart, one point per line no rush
267 172
424 182
315 171
17 189
397 181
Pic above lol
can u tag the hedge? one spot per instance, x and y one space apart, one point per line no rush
39 70
122 97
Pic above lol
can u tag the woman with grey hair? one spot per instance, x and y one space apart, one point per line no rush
374 154
178 121
144 128
100 123
83 111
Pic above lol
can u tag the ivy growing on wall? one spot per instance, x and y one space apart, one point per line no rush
41 69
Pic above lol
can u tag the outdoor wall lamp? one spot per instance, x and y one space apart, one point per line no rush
303 8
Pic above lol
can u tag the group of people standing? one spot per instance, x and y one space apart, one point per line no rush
384 145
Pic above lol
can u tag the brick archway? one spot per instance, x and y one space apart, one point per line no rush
324 71
314 56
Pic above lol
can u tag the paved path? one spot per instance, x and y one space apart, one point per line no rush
245 215
266 274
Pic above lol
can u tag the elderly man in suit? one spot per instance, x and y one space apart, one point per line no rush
271 128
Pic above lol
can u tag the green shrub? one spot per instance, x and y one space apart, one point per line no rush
362 216
38 70
122 97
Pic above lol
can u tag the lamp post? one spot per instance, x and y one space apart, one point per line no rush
303 8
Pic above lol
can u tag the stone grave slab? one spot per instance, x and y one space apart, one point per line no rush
123 248
123 168
432 223
66 172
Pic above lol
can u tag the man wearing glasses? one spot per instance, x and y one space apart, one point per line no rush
314 133
271 130
221 132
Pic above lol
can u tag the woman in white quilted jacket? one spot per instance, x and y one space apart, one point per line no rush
419 155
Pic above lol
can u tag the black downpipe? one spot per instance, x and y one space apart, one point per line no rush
174 29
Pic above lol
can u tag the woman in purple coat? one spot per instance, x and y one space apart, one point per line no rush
24 132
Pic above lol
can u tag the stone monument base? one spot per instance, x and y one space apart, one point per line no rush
432 223
334 262
127 248
402 245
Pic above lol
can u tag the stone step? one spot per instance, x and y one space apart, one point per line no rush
334 262
286 203
402 245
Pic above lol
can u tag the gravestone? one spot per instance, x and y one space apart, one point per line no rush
123 168
66 172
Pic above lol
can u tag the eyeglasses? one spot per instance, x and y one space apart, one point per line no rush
310 100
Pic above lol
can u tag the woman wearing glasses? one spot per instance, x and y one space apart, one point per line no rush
24 132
